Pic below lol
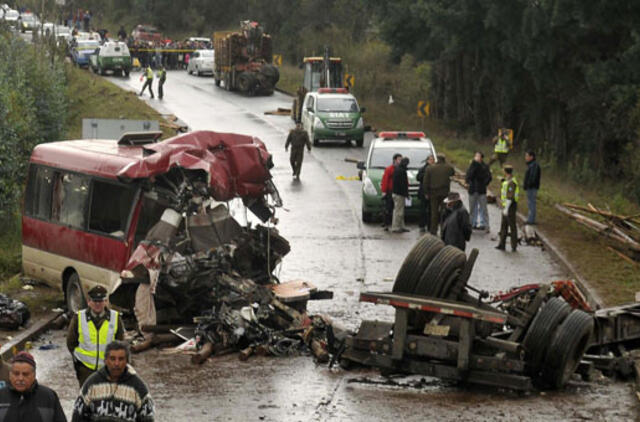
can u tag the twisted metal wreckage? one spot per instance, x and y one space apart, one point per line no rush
197 263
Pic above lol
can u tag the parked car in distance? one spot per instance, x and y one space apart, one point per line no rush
146 33
205 42
11 17
81 50
63 33
413 145
201 62
332 114
112 56
29 22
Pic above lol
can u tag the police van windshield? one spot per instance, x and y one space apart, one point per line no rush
382 157
348 105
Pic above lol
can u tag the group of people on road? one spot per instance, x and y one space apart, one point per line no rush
110 389
439 208
174 55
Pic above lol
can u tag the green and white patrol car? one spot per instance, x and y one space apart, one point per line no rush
112 55
413 145
332 114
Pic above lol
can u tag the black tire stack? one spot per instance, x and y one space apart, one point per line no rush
556 339
555 342
431 269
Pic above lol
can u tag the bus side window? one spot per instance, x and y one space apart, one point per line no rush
37 202
110 208
70 198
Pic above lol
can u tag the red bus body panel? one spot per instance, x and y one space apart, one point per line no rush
79 245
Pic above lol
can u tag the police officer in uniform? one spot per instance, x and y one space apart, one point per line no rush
148 73
509 199
162 76
297 138
501 147
90 330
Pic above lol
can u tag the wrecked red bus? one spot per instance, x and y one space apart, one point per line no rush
88 203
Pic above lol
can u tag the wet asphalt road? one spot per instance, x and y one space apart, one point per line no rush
332 248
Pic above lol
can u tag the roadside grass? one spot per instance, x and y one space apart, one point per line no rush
93 96
614 279
10 246
90 96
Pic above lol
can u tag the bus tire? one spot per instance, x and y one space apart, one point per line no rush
74 294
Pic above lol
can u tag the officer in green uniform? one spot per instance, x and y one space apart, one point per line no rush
509 200
297 138
162 76
148 74
90 330
501 148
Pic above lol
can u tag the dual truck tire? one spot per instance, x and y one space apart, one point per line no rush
554 342
431 269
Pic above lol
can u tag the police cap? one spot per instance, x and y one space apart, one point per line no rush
98 293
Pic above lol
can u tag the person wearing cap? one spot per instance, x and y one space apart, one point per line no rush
90 330
509 200
456 226
115 392
437 183
24 399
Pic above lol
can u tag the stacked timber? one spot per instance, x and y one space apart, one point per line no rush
624 231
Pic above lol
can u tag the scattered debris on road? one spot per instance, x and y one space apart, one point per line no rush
537 335
13 313
279 112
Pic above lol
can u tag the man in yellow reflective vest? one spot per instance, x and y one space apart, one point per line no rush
509 194
90 330
501 147
148 74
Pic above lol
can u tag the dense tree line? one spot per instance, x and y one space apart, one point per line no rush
33 104
562 73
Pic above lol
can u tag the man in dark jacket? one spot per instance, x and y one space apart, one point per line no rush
437 180
122 34
297 138
478 178
531 184
5 370
386 187
400 195
98 400
24 399
456 228
162 78
425 213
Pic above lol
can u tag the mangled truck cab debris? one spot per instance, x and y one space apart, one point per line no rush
90 203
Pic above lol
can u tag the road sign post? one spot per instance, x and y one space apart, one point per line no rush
349 80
